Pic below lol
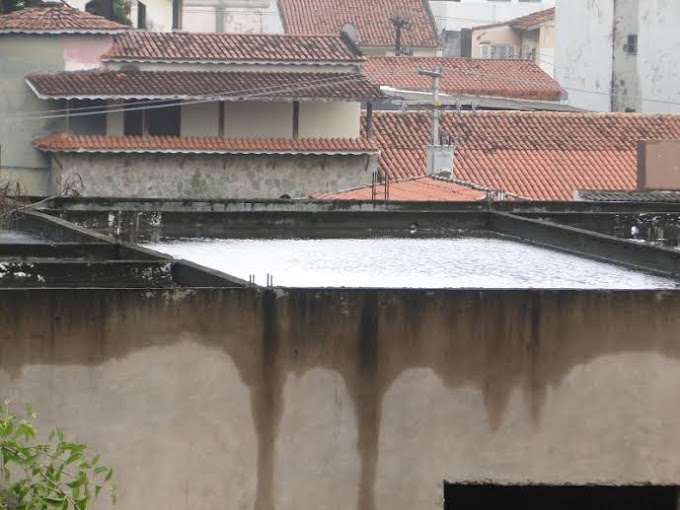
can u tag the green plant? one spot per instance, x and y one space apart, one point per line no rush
55 474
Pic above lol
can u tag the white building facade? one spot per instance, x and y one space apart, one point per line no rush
454 15
619 55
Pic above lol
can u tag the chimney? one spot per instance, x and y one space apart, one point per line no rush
658 165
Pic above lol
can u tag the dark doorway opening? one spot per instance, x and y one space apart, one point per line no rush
559 497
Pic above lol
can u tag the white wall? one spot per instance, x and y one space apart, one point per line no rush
200 119
240 16
646 82
452 15
329 120
658 54
583 56
253 119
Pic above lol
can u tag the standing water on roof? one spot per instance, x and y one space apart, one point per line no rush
409 263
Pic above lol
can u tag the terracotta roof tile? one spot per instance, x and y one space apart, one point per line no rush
521 79
184 84
371 19
209 47
203 145
56 19
533 19
418 189
538 155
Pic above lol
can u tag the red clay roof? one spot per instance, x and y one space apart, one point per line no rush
371 19
56 19
203 145
521 79
201 47
531 20
420 189
258 86
538 155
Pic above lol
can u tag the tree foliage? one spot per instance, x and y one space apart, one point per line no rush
115 10
56 474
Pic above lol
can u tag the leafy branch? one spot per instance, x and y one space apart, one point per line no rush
57 474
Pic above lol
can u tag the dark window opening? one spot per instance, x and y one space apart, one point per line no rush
176 14
88 116
632 44
160 118
164 121
141 15
133 119
559 497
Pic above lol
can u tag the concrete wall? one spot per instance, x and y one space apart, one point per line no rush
330 120
81 54
596 63
20 55
213 399
454 15
212 176
158 14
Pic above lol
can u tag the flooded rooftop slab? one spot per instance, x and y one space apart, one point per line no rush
408 263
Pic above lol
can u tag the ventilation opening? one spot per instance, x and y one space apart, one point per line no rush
559 497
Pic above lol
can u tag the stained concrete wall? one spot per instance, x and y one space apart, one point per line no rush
596 64
213 176
348 399
200 119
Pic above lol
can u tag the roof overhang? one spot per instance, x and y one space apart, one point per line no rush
61 31
423 98
303 87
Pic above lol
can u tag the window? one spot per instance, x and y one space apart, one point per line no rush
496 51
631 46
141 15
163 119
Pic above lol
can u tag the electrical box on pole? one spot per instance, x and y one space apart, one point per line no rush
440 157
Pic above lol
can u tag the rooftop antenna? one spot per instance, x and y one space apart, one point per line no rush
400 22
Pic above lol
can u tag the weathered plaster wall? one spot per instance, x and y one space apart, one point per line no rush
83 52
583 59
213 176
20 55
596 63
658 50
349 399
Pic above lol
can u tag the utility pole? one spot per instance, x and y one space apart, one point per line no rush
435 73
435 153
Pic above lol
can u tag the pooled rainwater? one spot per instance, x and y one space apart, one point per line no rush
409 263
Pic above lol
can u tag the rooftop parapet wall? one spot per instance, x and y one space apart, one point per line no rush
292 397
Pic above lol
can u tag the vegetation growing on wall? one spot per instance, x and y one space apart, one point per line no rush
38 475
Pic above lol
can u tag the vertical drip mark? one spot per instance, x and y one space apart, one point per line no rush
266 404
367 400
